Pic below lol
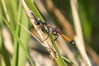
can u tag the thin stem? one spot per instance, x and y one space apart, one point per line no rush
79 34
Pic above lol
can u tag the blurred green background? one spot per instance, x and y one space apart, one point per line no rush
13 12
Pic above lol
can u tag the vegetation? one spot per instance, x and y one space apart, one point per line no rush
23 43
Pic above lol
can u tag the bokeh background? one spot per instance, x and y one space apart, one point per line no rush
58 13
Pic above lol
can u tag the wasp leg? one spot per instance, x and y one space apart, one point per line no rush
45 39
55 33
56 36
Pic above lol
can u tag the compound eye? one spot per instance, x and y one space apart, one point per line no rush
38 22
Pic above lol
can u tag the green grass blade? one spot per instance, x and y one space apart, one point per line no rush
16 44
24 37
67 60
59 59
33 8
18 39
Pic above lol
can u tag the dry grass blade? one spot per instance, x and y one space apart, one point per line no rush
41 34
93 55
79 35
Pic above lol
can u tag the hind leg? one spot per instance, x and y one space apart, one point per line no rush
56 36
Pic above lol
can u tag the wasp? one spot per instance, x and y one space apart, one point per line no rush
52 30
